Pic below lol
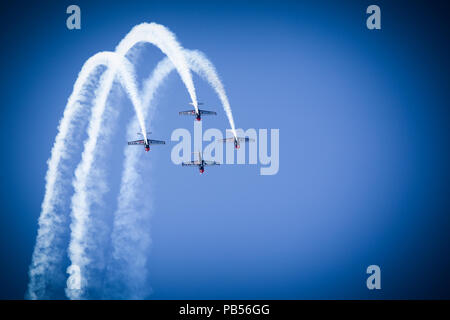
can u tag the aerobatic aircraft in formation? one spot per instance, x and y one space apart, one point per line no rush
145 143
200 163
237 141
197 112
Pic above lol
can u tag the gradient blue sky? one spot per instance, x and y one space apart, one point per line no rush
364 135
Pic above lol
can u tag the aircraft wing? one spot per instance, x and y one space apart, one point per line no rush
240 139
138 142
205 112
150 141
246 139
211 163
187 112
191 163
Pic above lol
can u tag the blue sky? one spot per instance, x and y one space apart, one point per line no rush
363 118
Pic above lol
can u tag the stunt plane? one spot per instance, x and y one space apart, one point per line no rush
200 163
145 143
198 115
237 140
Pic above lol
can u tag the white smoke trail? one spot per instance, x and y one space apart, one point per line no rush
82 199
166 41
47 256
201 65
127 275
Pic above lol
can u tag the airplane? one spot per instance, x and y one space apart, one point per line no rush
200 163
198 115
237 141
145 143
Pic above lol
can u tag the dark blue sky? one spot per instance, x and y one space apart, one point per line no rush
364 135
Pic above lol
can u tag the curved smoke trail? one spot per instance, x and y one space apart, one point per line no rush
200 64
168 44
47 255
162 38
117 65
131 238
